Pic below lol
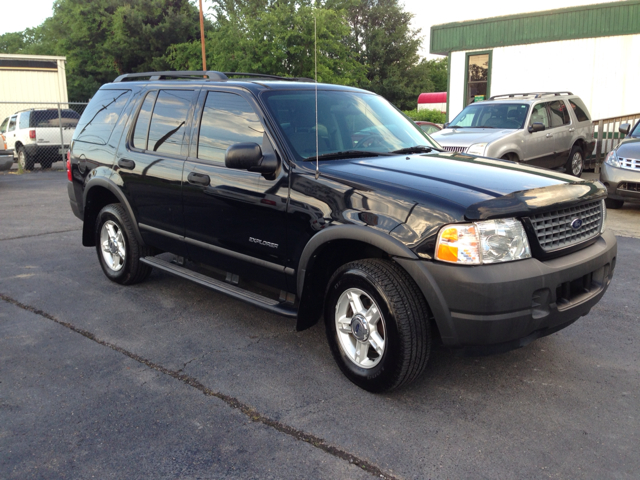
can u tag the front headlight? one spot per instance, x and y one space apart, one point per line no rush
489 241
477 149
612 159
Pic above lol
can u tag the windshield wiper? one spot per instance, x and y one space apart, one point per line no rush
415 149
346 154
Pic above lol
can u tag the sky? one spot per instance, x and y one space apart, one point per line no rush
16 17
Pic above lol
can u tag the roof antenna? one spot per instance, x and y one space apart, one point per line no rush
315 55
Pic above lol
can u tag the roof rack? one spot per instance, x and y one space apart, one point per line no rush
211 76
535 94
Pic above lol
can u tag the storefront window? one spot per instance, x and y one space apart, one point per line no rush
477 78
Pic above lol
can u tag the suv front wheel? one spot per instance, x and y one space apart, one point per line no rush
575 163
377 324
118 250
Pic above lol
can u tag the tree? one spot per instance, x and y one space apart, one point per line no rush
109 38
385 44
277 38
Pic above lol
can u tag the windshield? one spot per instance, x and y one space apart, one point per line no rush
635 133
347 122
492 115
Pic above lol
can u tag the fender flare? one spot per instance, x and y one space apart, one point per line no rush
108 184
377 238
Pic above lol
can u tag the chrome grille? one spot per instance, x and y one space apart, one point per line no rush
456 149
629 163
554 230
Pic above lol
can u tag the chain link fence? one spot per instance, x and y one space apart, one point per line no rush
39 133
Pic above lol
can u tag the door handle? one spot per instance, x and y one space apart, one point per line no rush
198 179
571 129
549 135
128 164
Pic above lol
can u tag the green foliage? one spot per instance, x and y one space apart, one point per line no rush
425 115
275 38
103 41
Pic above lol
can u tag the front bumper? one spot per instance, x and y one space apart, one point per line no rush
621 183
494 308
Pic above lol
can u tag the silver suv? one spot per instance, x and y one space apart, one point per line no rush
547 129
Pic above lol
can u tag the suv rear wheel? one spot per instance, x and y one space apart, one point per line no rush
377 324
118 250
25 162
575 164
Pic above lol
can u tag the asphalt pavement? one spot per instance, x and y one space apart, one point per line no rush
167 379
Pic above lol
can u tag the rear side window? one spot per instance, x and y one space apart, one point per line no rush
227 119
559 114
142 123
582 114
166 132
24 120
100 117
50 119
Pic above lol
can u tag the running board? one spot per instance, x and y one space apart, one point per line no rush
265 303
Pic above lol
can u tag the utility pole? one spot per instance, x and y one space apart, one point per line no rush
204 59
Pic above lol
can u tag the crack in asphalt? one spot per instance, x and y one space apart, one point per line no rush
232 402
41 234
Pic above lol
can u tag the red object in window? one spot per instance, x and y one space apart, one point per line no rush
32 134
69 164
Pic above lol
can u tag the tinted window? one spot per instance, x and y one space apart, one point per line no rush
142 124
559 114
539 115
100 117
168 121
227 119
24 120
12 124
582 114
49 118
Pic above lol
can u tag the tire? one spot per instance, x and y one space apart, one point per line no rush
118 250
386 343
23 159
575 163
613 204
510 156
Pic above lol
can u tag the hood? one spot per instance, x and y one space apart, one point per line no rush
465 137
629 147
412 196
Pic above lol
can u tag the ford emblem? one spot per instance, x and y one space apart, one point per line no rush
576 223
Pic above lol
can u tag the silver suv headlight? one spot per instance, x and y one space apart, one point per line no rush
489 241
612 159
477 149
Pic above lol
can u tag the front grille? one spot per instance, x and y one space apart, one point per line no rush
630 163
456 149
554 229
629 187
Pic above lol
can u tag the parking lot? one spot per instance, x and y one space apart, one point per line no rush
167 379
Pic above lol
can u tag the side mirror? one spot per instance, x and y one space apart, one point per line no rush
248 156
536 127
446 125
624 128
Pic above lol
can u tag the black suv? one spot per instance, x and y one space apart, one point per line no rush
308 200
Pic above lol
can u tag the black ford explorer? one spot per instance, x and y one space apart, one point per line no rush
308 200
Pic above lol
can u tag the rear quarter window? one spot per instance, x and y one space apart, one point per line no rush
100 117
579 108
50 118
24 120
